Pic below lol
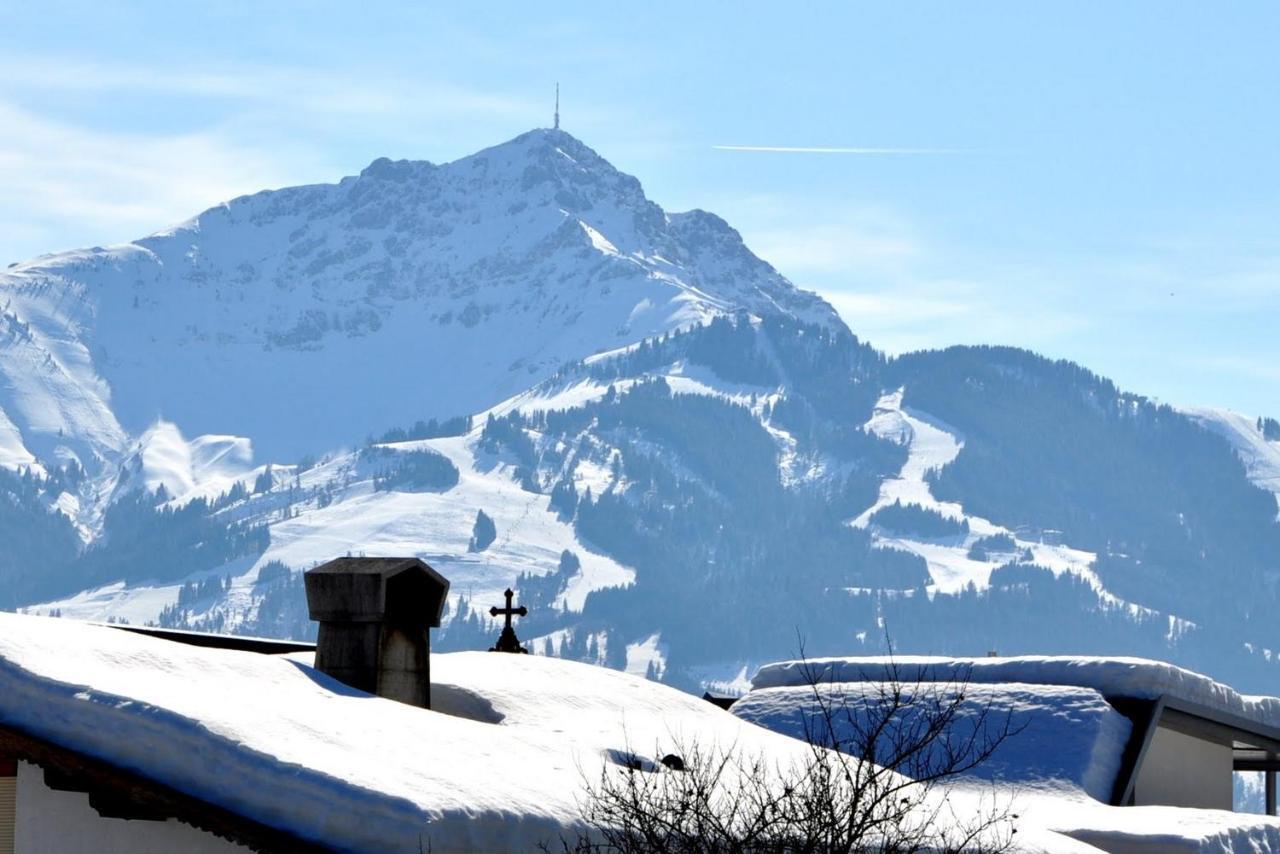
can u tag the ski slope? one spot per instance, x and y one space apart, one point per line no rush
343 513
932 445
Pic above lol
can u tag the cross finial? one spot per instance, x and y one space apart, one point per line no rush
507 641
557 124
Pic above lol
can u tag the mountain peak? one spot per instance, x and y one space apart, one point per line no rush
550 154
549 138
536 144
502 265
541 168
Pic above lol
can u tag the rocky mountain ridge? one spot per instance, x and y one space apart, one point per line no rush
303 318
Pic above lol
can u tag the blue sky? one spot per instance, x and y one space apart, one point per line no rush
1102 180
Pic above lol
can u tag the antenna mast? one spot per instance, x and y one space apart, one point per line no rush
557 124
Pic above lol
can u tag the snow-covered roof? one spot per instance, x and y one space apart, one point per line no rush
1136 678
499 765
273 740
1061 738
1060 765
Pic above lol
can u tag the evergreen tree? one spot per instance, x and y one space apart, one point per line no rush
483 532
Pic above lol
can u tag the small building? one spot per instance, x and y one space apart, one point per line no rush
1126 731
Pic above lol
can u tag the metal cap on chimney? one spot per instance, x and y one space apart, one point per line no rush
375 617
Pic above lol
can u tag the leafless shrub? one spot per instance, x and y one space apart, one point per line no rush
873 778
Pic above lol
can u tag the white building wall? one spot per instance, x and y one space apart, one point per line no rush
51 821
1184 771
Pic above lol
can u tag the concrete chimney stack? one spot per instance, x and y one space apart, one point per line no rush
375 617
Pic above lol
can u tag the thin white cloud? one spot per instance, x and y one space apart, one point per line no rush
64 183
117 186
799 149
810 241
920 315
900 287
294 89
835 248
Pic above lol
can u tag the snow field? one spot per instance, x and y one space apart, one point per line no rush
650 651
435 526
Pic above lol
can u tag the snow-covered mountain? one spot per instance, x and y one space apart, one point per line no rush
305 317
520 369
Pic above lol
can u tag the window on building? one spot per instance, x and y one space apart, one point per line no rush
8 802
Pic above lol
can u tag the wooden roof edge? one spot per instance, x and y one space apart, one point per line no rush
1226 720
244 643
118 793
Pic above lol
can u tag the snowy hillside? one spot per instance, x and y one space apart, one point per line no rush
956 561
1260 454
629 489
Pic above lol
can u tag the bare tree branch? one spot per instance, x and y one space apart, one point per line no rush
874 778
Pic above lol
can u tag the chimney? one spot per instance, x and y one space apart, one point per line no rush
375 617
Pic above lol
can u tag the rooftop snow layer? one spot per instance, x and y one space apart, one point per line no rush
1167 830
1137 678
323 761
499 766
1061 737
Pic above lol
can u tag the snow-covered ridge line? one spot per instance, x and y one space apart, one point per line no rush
1137 678
203 467
1260 456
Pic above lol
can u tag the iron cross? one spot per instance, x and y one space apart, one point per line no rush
508 611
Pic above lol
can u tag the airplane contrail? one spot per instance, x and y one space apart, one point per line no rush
795 149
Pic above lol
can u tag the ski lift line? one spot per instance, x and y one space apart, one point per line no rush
506 540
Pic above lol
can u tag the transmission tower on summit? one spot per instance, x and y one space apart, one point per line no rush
557 124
